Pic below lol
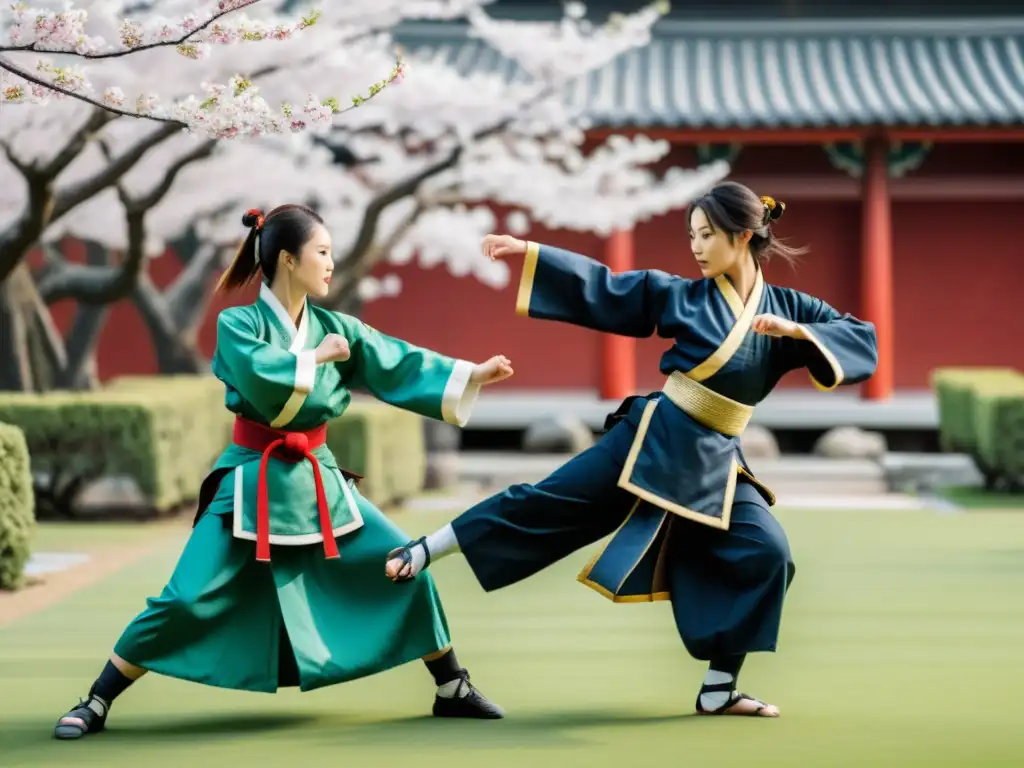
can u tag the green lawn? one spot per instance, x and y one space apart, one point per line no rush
979 498
902 646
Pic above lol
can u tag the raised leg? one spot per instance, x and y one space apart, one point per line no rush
525 528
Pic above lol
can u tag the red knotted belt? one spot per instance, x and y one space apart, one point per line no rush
293 447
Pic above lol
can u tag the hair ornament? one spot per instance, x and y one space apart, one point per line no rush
257 214
773 209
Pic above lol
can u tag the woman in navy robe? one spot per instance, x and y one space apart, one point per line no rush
692 524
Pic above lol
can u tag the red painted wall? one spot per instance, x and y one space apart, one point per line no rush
956 271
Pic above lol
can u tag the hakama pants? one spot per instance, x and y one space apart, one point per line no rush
727 587
226 620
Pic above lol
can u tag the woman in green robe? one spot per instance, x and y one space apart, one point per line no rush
320 611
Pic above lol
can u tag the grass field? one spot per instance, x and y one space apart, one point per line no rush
902 646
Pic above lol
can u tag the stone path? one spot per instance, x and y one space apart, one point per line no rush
53 576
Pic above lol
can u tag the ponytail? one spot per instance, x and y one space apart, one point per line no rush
246 264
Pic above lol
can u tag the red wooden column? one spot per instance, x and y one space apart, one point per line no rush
618 353
876 264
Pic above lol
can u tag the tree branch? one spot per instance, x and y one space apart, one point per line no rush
102 285
351 273
24 74
79 193
362 248
201 152
73 148
186 297
237 6
39 208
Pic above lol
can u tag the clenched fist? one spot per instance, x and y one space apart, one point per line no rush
503 247
773 325
498 368
333 349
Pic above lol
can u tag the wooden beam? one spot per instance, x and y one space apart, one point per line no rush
754 136
958 135
840 187
733 135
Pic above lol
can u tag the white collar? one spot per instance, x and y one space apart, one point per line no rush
297 336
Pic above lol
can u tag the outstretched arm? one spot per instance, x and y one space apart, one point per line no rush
836 349
567 287
417 379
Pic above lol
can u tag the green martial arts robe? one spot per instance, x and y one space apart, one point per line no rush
225 619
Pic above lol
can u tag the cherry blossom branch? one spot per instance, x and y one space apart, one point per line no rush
361 249
234 109
64 32
16 93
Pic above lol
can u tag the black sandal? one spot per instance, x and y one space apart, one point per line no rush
734 697
93 714
405 555
467 703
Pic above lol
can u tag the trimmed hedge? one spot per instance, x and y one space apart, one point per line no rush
162 437
17 510
981 413
165 433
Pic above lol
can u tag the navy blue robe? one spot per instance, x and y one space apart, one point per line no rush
672 481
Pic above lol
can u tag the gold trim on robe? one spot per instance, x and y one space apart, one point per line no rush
717 359
657 595
837 369
732 298
526 279
712 410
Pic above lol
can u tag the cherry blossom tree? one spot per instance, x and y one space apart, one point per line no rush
409 175
66 144
227 110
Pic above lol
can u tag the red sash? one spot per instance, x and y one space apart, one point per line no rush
290 446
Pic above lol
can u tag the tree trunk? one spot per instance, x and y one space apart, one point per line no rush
90 319
15 371
31 349
174 316
80 371
176 349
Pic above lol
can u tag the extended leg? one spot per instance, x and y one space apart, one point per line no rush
182 632
525 528
728 589
456 696
90 714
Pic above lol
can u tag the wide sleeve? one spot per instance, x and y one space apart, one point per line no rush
840 348
410 377
266 377
570 288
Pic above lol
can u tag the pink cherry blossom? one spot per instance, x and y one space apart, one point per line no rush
222 114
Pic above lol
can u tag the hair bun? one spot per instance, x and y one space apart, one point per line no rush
773 208
252 218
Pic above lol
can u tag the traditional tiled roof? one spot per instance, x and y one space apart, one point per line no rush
790 74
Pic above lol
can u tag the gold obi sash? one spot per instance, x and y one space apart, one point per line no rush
707 407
